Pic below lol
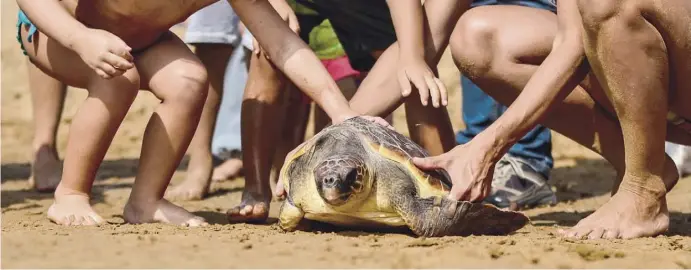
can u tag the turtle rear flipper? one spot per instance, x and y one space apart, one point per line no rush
440 216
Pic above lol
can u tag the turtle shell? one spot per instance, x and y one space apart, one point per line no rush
398 148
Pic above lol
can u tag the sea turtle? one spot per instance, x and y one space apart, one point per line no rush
359 174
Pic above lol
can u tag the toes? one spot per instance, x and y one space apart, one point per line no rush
98 220
259 209
197 222
596 234
70 220
80 221
611 234
234 211
247 209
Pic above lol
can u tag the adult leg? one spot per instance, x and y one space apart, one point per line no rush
213 31
47 98
177 77
619 39
515 51
100 114
261 123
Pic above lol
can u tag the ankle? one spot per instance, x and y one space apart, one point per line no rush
649 187
63 192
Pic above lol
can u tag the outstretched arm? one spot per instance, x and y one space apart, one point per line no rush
407 16
554 79
471 165
293 57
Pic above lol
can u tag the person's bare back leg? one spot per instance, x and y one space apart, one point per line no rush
196 185
100 115
620 40
177 77
47 98
261 124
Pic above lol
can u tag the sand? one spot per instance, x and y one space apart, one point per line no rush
29 240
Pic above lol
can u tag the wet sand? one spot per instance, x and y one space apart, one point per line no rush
29 240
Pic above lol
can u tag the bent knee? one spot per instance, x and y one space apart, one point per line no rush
472 44
188 84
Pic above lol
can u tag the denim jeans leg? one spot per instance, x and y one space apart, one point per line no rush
480 111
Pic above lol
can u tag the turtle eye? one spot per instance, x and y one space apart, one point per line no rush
351 177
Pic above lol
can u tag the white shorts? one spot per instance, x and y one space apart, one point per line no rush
216 23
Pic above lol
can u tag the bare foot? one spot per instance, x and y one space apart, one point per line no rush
161 211
638 209
46 170
195 187
228 169
197 182
73 210
254 208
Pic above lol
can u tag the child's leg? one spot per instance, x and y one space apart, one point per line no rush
261 125
177 77
47 97
215 58
92 129
213 31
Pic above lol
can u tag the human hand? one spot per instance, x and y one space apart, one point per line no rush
105 53
416 71
470 169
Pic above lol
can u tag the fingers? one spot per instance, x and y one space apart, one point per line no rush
280 189
430 163
108 69
102 73
422 88
404 83
117 61
120 48
433 89
442 92
378 120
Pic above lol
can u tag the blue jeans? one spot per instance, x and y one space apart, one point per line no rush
480 110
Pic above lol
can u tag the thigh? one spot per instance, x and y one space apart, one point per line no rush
167 65
55 60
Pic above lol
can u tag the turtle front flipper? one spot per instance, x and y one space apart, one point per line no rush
289 216
441 216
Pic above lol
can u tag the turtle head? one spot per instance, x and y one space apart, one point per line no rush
342 179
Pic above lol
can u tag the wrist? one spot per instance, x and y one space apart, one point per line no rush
492 144
76 38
